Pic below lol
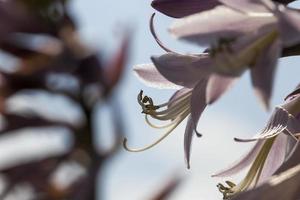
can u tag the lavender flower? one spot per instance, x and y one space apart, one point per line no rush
244 34
274 145
185 102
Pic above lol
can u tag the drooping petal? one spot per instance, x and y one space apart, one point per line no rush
217 85
245 161
149 75
208 27
247 6
289 26
198 101
276 125
275 157
188 136
181 8
183 70
263 73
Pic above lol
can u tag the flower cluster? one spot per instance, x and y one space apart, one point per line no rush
238 36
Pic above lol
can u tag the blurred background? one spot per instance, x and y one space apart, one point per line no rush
101 26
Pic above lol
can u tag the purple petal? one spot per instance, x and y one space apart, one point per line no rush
289 26
292 160
188 136
246 5
198 101
245 161
276 125
178 94
208 27
262 74
217 85
149 75
275 157
183 70
181 8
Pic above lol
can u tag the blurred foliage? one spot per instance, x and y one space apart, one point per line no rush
41 36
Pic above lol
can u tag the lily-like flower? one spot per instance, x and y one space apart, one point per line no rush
274 145
185 103
182 8
248 34
284 184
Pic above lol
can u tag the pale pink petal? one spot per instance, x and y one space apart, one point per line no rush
217 85
178 94
289 26
198 101
208 27
181 8
263 73
246 5
245 161
292 160
275 157
183 70
149 75
276 125
188 136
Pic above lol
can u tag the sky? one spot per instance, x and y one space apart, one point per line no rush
134 176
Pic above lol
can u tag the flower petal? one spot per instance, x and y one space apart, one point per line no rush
188 136
276 125
245 161
208 27
185 70
177 95
181 8
198 101
262 74
149 75
275 157
289 26
248 6
217 85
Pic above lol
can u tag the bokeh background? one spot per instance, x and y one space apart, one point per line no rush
136 176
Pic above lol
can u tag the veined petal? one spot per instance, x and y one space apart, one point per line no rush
183 70
289 26
245 161
276 125
198 101
217 85
181 8
275 157
247 6
262 74
149 75
178 94
208 27
188 136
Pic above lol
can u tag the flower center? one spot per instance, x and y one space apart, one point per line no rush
234 56
174 111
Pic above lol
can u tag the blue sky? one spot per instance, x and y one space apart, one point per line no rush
134 176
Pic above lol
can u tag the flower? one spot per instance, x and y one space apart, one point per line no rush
284 184
243 34
274 145
185 103
181 8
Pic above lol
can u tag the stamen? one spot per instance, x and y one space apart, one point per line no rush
252 176
181 118
158 41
